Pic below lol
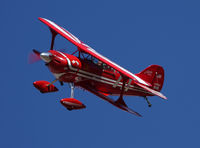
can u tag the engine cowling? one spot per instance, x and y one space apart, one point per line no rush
71 103
75 62
59 61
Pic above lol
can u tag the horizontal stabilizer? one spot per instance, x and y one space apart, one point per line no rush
156 93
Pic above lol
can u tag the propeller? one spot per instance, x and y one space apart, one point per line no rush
34 57
37 56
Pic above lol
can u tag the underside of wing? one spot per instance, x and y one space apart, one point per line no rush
87 49
108 99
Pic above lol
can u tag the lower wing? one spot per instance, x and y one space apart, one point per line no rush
113 102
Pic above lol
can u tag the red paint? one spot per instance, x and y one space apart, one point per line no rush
153 74
71 103
43 87
98 74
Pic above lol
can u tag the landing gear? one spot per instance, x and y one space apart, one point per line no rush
149 104
72 103
72 90
51 84
61 83
45 86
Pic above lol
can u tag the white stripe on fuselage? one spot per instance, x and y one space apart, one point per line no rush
84 72
131 87
97 77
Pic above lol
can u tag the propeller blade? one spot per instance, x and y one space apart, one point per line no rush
34 57
36 52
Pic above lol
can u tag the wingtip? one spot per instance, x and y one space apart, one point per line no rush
163 97
41 18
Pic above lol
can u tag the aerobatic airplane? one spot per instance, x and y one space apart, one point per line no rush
95 73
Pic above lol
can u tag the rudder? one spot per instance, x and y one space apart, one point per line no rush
154 74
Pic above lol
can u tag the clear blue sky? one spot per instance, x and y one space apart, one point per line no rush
134 34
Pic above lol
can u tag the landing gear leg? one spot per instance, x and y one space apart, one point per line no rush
149 104
71 107
51 83
71 103
72 89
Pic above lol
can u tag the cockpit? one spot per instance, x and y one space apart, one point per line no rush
90 59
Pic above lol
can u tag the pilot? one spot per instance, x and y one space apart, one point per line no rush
99 63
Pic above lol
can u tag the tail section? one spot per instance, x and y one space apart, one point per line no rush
154 75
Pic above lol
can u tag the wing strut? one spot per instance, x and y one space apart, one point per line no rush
53 33
120 100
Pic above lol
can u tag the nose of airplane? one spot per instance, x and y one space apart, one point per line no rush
46 57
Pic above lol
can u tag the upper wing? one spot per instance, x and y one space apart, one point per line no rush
83 47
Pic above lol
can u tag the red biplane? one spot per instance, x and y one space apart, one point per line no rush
95 73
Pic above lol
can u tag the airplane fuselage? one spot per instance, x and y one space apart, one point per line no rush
71 69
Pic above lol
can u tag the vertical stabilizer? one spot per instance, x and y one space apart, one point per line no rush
154 75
